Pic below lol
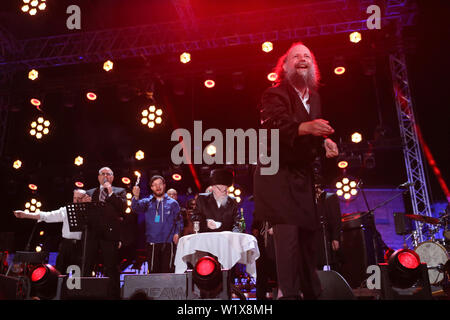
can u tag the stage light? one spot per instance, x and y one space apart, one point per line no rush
339 65
356 137
41 233
79 160
272 76
207 275
211 149
177 176
44 281
403 268
126 180
39 127
151 116
108 65
31 7
210 83
346 188
339 70
91 96
79 184
235 192
35 102
32 187
343 164
33 206
139 155
17 164
38 249
185 57
267 46
33 74
137 174
355 37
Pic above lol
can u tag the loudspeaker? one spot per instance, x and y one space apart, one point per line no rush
334 286
420 291
156 286
90 289
13 288
403 225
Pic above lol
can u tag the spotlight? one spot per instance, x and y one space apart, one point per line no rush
342 164
236 193
355 37
17 164
267 46
403 268
108 65
32 187
128 208
339 65
272 76
139 155
151 116
185 57
33 74
356 137
91 96
126 180
209 79
32 7
209 83
177 176
346 188
40 127
79 184
33 206
35 102
211 150
207 275
79 161
44 280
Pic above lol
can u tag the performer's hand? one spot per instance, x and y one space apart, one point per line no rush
335 245
175 238
24 215
119 245
317 127
211 224
331 148
108 187
136 191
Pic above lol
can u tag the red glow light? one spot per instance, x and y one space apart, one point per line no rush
205 266
177 177
339 70
35 102
210 83
126 180
408 260
38 273
91 96
79 184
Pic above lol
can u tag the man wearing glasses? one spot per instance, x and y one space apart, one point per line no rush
104 229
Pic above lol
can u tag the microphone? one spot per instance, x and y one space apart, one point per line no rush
405 185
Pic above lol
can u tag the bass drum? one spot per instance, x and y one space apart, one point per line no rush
434 255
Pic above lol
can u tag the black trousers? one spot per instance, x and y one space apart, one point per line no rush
109 257
160 257
69 253
296 262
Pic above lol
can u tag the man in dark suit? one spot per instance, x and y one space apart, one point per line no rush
104 228
217 211
329 212
286 198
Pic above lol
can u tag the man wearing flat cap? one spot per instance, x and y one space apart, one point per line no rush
216 210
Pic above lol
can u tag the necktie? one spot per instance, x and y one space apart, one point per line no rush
103 195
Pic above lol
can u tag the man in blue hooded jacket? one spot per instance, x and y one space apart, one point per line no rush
163 225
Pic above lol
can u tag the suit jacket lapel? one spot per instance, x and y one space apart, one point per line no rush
299 109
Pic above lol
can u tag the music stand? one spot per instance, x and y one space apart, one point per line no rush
79 216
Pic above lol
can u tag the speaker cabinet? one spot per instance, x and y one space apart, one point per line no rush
90 289
334 286
156 286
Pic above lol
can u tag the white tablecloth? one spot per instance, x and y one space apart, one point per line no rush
229 247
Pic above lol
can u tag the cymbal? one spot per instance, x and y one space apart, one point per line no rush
422 218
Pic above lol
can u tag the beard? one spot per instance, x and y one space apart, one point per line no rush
304 79
220 196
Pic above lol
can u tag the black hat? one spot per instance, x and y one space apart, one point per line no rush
221 176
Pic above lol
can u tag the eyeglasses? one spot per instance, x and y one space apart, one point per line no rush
105 174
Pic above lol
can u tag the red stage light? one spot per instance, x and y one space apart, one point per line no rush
408 259
205 266
32 186
177 177
91 96
35 102
126 180
79 184
38 273
272 76
339 70
210 83
343 164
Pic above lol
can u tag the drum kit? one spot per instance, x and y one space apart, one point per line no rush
434 252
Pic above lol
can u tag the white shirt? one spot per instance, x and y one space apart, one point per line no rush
60 215
304 99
